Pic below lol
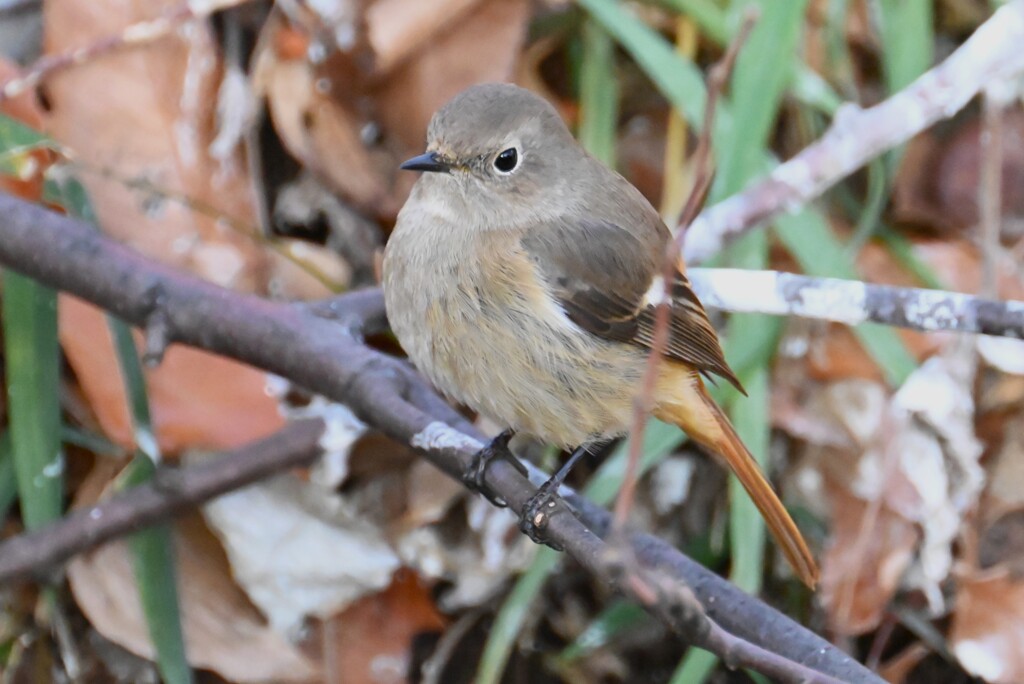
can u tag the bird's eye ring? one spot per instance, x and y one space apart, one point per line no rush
507 160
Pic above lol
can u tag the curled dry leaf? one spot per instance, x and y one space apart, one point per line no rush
294 555
899 506
988 627
869 551
320 129
154 125
223 632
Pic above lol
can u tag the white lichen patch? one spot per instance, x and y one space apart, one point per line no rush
438 435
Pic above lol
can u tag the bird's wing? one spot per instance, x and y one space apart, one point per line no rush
608 281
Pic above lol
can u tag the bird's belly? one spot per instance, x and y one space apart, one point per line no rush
511 355
518 371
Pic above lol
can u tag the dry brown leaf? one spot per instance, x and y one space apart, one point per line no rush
198 400
371 641
866 559
937 185
319 127
988 627
907 493
298 551
898 668
482 47
398 28
223 632
155 123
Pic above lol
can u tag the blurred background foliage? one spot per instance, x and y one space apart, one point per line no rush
259 148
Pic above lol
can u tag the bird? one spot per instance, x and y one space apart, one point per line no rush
522 279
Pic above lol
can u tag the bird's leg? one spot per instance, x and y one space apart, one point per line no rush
473 476
534 517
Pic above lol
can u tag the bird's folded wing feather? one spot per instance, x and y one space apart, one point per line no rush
602 275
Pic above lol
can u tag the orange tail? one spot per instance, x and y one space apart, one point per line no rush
690 407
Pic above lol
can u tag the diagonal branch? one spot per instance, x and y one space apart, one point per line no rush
317 353
992 53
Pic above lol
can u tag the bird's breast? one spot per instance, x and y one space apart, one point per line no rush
474 316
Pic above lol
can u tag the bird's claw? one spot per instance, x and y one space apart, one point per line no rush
535 516
474 474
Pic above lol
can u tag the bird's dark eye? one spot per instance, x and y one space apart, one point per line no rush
507 160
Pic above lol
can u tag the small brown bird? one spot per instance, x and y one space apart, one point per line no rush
522 279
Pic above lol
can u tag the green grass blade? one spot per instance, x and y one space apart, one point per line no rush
33 394
599 93
616 619
676 77
512 615
696 666
764 69
903 251
153 560
152 550
8 480
906 29
907 34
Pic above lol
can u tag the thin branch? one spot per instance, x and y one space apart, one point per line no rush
857 136
315 352
853 302
141 33
175 492
990 186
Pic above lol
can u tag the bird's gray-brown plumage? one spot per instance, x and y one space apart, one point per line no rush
528 291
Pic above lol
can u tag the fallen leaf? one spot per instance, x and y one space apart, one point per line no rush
898 668
223 632
937 185
371 641
899 505
154 125
27 183
988 627
153 129
198 400
482 47
865 561
296 550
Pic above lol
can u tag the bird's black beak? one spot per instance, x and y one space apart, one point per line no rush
430 161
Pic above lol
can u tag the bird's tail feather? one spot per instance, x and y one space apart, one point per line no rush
697 414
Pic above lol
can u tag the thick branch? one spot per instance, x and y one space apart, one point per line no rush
853 302
307 348
857 136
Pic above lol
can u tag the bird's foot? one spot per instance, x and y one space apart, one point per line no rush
533 521
476 471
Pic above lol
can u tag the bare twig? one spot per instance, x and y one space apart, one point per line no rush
141 33
314 352
138 507
717 79
857 135
853 302
990 188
